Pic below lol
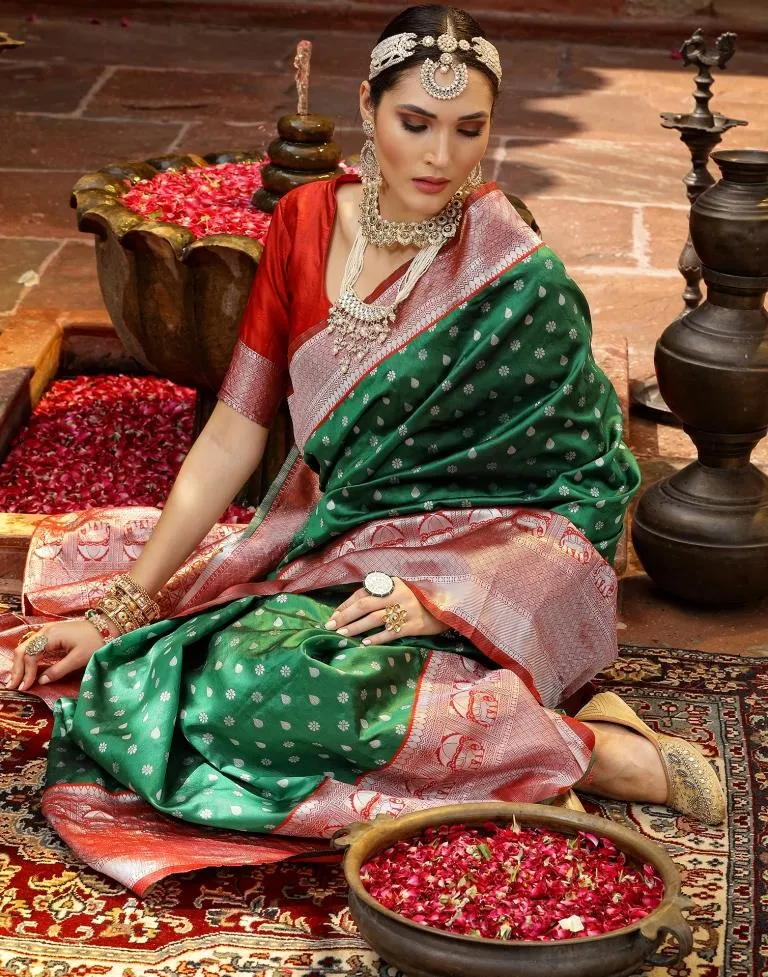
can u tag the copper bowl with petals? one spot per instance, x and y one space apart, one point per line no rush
423 951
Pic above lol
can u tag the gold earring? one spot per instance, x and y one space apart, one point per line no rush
369 162
476 177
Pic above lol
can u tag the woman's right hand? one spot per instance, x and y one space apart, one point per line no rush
78 639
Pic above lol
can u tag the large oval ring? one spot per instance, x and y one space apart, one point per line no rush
394 618
36 646
378 584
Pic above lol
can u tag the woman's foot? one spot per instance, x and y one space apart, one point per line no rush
627 766
634 763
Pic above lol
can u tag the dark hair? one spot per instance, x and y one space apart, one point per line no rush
432 19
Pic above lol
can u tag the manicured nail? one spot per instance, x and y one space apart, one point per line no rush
331 625
343 630
43 680
366 641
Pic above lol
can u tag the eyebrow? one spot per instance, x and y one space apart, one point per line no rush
431 115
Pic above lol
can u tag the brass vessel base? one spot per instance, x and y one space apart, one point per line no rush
702 535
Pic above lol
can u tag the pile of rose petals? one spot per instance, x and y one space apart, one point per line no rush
101 441
205 199
507 882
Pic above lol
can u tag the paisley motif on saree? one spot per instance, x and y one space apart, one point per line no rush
478 456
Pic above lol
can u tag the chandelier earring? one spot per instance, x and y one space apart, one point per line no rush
475 178
369 162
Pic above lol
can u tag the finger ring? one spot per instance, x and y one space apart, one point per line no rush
379 584
394 618
37 645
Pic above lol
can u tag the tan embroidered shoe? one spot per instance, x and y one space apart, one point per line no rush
693 786
569 802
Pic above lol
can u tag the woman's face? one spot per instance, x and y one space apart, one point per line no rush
427 147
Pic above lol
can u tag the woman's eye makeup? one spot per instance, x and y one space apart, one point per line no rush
420 127
411 126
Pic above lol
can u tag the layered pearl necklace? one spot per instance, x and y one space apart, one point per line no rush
358 326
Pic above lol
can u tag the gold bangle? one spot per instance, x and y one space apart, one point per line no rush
114 599
117 611
101 622
141 597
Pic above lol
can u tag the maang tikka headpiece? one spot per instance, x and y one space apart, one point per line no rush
398 48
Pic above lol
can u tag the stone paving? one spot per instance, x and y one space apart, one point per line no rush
576 134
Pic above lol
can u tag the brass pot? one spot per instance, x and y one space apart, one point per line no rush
423 951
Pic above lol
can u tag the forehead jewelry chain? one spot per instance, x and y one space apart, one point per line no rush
452 58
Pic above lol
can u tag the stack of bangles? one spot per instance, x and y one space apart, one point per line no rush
125 607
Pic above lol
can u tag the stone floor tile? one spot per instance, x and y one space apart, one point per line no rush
188 96
43 143
666 231
28 338
213 137
37 87
636 304
652 619
162 96
343 53
530 65
595 115
69 281
200 46
631 71
16 257
585 170
587 233
37 204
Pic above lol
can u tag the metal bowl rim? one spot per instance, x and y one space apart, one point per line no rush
575 820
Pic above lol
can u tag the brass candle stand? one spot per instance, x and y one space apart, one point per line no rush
700 130
702 534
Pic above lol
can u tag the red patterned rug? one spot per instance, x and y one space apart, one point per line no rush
60 919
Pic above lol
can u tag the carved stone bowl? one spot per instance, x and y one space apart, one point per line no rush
423 951
175 301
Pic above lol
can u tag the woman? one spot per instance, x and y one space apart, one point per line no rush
426 582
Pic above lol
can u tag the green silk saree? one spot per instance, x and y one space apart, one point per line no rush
477 455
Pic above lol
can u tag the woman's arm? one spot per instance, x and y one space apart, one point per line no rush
224 456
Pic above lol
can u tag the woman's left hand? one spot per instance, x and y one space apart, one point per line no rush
361 612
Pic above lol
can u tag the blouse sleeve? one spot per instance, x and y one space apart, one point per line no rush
257 377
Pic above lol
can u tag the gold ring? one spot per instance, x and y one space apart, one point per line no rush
394 617
37 645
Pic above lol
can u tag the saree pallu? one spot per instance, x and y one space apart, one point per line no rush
478 456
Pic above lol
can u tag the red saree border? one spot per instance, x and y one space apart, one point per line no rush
254 386
393 277
493 239
474 637
166 843
469 747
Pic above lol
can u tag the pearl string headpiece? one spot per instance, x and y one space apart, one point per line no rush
398 48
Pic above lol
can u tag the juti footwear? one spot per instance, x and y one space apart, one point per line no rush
569 802
693 787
